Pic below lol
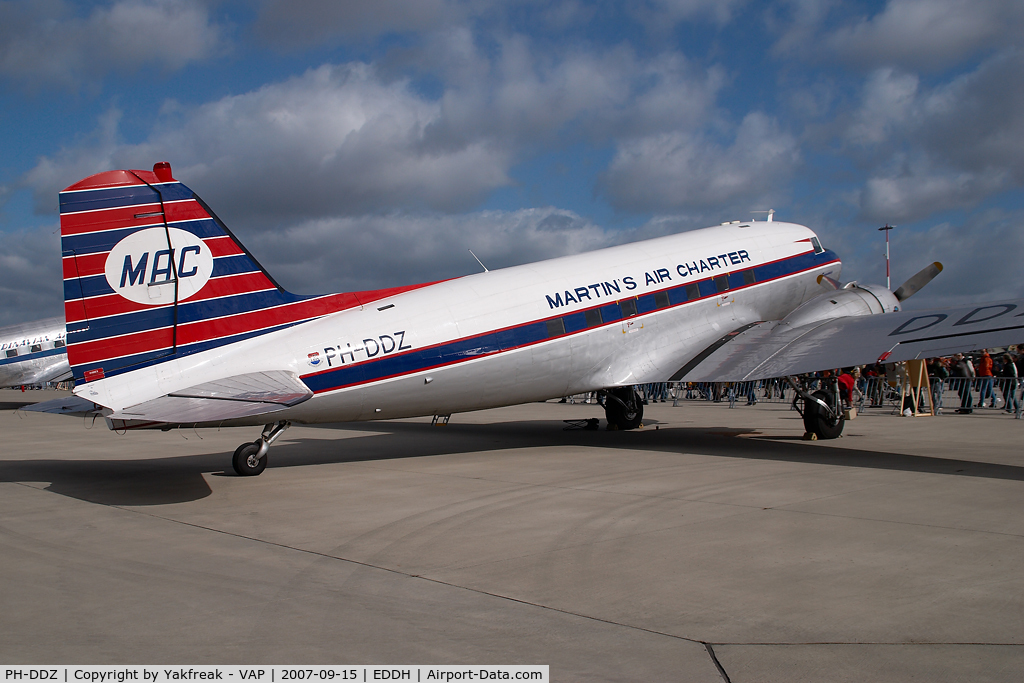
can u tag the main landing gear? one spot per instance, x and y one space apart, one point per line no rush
623 408
822 411
250 459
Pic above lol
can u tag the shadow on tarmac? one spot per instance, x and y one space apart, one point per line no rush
15 405
181 479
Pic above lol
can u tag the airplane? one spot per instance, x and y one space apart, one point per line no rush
33 353
171 322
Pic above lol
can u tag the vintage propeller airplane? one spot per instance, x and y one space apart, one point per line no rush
33 353
170 321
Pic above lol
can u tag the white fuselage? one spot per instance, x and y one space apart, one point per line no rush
485 340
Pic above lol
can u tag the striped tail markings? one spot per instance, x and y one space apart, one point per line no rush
152 274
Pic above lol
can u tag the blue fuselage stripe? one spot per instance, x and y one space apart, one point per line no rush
537 331
33 356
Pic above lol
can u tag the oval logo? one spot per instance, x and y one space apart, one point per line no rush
143 269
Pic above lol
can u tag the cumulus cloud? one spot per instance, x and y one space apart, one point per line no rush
888 101
294 23
929 34
530 97
943 147
334 141
50 43
921 191
662 14
30 275
678 170
345 140
365 252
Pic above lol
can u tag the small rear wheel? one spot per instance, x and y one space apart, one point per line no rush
623 408
246 463
819 421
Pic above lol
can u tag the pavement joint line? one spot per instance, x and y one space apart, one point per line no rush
718 665
859 643
536 604
411 576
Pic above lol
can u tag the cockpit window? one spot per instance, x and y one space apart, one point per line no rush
818 249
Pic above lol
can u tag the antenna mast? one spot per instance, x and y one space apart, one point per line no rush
886 228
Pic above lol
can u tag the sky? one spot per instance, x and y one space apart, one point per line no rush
354 145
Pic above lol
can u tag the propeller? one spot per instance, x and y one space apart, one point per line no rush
914 284
904 292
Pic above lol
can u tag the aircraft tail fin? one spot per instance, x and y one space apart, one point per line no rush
151 274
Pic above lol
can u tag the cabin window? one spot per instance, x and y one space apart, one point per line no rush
722 283
661 299
12 353
818 249
628 307
748 277
59 344
593 317
692 291
556 327
36 348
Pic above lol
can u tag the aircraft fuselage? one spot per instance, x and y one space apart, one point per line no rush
619 316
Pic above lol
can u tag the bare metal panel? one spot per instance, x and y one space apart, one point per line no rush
775 349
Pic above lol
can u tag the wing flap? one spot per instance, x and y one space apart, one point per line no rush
776 349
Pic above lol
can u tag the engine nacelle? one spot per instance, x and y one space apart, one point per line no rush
851 300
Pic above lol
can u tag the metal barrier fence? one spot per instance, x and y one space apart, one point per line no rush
879 393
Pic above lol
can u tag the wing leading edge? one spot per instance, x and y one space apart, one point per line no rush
776 349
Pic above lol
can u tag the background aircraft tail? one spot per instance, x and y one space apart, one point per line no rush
151 274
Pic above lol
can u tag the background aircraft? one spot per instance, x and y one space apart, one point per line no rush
171 321
33 353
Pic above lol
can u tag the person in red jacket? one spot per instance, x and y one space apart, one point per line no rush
984 373
846 383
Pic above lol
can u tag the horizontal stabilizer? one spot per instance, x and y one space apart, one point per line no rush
776 349
234 397
66 405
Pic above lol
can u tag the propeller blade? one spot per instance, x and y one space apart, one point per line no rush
914 284
829 283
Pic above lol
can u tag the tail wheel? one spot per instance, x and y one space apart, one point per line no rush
623 408
246 463
820 422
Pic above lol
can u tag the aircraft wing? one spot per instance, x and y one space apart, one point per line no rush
223 399
775 349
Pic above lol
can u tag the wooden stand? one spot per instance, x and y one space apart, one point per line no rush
917 386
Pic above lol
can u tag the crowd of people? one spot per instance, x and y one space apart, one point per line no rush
989 378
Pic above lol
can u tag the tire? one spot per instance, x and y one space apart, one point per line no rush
625 413
817 420
245 462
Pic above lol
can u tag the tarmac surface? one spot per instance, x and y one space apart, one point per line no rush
713 544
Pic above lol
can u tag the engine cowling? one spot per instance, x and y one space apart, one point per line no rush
851 300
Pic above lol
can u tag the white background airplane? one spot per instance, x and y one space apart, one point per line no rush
33 353
171 321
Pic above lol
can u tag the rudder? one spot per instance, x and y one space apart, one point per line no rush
150 273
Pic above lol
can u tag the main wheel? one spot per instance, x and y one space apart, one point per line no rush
623 408
246 463
817 421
